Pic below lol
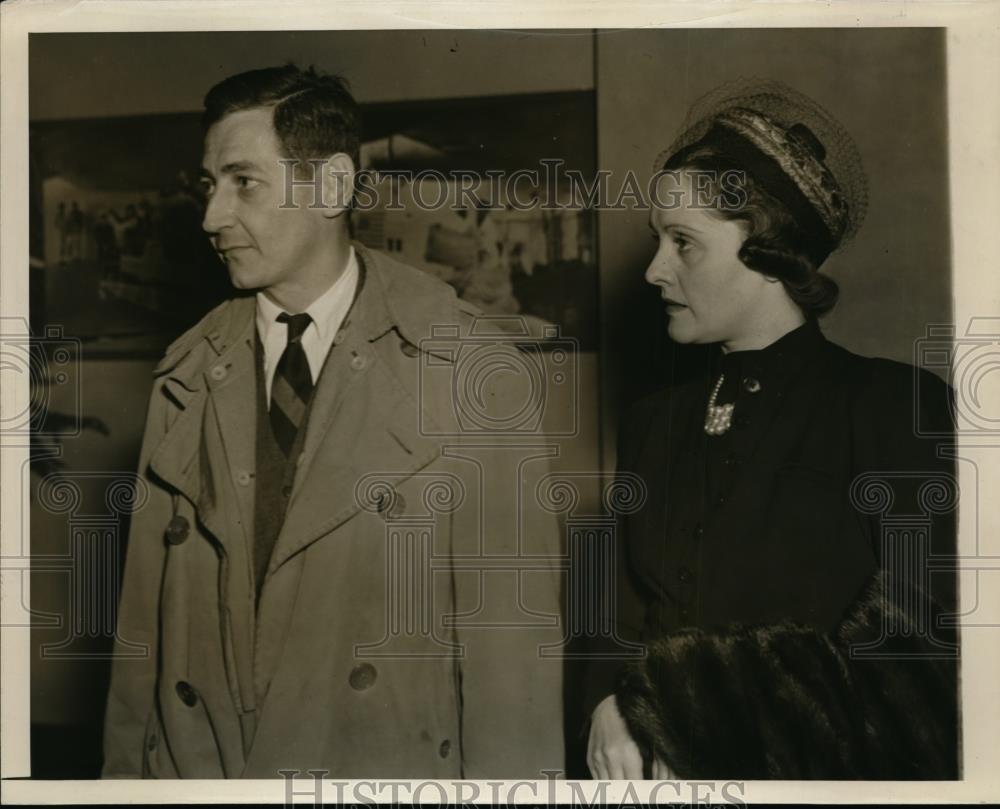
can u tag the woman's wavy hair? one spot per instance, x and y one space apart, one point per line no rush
775 245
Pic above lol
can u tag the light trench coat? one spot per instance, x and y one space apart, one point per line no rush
408 622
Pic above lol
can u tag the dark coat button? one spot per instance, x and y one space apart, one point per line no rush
152 742
177 530
187 694
444 749
684 575
751 385
363 677
286 491
699 531
409 349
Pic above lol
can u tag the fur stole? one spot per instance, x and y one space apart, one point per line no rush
788 702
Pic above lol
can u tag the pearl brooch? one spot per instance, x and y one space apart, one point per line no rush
718 418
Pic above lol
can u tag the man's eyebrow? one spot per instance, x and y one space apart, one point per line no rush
232 168
239 165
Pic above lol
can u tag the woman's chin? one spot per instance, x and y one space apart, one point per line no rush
679 333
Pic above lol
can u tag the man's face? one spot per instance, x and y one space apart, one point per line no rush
264 246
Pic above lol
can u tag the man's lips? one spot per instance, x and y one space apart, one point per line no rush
670 303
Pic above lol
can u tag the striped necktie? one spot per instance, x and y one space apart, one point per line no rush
292 385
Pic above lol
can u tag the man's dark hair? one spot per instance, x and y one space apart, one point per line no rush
314 114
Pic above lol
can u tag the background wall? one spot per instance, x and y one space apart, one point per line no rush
90 75
887 87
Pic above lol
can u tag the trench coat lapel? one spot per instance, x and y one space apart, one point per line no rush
363 420
209 447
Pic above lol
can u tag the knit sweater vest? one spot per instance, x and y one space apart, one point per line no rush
274 476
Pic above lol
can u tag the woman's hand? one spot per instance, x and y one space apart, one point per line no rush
611 751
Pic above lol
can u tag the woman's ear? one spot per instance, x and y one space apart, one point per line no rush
338 185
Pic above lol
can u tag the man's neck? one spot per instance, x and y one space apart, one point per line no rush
299 296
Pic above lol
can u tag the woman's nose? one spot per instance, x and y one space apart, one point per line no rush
659 270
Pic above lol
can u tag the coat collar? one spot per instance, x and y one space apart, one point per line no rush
208 448
362 416
206 374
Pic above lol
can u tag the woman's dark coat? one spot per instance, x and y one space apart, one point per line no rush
792 580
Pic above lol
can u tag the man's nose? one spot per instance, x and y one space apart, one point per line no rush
218 213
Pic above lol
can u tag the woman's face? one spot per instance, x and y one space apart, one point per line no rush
711 296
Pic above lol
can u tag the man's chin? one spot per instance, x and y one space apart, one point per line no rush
241 279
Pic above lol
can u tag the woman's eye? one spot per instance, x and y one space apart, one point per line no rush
682 243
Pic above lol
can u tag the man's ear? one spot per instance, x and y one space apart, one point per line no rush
338 184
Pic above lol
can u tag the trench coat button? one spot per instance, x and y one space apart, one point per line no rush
187 694
219 372
409 349
177 529
751 385
243 477
684 575
286 491
358 362
363 677
699 531
445 748
152 742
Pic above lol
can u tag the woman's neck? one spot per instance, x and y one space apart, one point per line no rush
783 316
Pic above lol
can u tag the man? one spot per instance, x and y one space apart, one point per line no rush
293 571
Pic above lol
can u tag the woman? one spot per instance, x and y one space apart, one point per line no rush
779 572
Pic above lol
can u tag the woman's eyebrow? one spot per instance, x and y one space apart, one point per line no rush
689 228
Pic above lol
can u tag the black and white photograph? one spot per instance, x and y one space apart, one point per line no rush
417 407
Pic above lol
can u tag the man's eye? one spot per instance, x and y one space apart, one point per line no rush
246 182
207 188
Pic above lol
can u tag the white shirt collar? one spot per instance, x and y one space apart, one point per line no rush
327 311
